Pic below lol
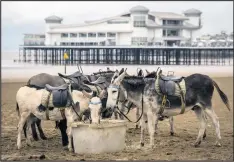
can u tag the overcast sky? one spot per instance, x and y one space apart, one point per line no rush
28 17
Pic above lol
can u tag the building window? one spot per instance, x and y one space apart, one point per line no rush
101 34
164 33
73 35
171 33
172 22
82 35
111 34
92 35
139 21
64 35
42 36
139 40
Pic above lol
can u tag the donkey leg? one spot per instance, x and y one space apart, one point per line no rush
204 136
210 112
137 117
143 127
151 117
200 115
42 135
34 132
156 124
69 132
171 121
62 124
22 121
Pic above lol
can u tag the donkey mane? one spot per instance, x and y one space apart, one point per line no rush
104 72
133 83
151 75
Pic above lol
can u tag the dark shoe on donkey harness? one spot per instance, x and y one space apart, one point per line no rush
170 85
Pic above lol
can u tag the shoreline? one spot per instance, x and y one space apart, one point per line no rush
22 74
25 79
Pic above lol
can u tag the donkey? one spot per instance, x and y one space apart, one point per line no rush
141 91
124 103
29 100
78 78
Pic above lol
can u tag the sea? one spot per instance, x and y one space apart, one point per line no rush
16 70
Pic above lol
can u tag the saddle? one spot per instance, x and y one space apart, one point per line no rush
58 96
75 77
167 84
101 82
170 86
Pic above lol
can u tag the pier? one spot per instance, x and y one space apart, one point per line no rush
127 55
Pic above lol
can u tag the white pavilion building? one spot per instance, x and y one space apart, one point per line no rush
138 27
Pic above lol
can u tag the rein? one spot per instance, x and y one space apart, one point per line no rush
120 112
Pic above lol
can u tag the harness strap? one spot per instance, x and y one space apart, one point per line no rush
97 89
182 100
142 102
162 107
62 111
47 107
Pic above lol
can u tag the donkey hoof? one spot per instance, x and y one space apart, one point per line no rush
44 138
29 143
19 147
70 149
142 144
137 126
35 138
172 133
204 136
218 144
197 144
65 148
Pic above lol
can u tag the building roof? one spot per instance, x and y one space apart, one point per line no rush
139 8
192 11
168 15
53 17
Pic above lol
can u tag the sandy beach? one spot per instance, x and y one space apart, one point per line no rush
178 147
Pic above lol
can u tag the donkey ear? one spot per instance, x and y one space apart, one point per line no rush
147 71
121 71
120 78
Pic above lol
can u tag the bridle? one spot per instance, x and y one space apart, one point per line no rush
117 101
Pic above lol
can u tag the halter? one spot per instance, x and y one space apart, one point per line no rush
118 87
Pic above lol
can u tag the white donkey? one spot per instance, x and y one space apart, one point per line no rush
29 100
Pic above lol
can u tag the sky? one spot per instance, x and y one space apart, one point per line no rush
18 18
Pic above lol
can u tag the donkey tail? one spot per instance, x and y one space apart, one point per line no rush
17 109
222 95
